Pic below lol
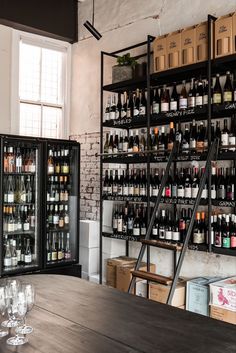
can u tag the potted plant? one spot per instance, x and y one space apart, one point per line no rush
124 68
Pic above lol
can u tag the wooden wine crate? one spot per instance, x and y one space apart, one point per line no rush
224 35
159 54
173 47
188 46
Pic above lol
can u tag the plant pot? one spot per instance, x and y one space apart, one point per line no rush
121 73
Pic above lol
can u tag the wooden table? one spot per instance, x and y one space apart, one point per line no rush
74 316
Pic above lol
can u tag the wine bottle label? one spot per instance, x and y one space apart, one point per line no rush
117 114
114 189
54 255
10 198
142 191
191 102
49 257
125 146
155 191
109 190
185 146
61 223
188 192
164 107
194 192
120 147
213 192
23 198
225 139
173 105
170 146
115 149
131 190
168 235
123 113
28 258
142 110
50 169
183 103
174 191
155 108
136 190
136 231
7 261
136 112
18 163
162 233
66 219
60 255
176 236
163 193
180 191
115 223
204 193
124 229
120 225
125 191
110 150
218 239
199 100
26 227
128 113
143 231
154 231
205 99
56 219
228 97
112 116
233 241
193 143
200 145
135 148
221 192
10 227
167 191
105 190
198 237
232 141
18 254
226 242
217 99
230 193
107 116
130 223
119 190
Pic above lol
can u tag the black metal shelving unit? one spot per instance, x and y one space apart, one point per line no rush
206 69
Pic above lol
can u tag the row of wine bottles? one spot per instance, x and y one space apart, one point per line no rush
184 183
59 165
18 219
58 247
173 227
192 139
19 160
19 189
18 251
58 188
59 151
135 104
58 216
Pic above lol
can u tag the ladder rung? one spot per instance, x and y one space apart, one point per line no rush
162 244
152 277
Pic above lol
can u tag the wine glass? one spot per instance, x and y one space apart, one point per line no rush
3 307
12 288
19 303
29 290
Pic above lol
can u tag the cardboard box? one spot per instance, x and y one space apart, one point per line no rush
159 293
198 294
111 268
188 45
202 42
159 50
124 276
173 48
224 35
223 293
223 314
234 33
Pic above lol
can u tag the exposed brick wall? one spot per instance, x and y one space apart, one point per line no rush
89 175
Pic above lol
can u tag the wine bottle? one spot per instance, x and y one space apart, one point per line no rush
113 108
28 254
199 94
137 103
198 232
118 107
171 137
232 134
156 103
136 142
143 104
174 99
217 92
162 142
165 100
111 143
192 95
228 89
186 140
136 224
183 99
225 136
107 109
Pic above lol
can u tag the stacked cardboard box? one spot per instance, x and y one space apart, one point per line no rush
112 265
223 300
159 292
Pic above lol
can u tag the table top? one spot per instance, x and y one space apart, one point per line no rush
72 315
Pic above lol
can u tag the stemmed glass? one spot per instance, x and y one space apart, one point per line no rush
19 303
12 288
29 291
3 307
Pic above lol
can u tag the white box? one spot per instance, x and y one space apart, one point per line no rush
223 293
89 259
141 289
107 216
113 246
89 234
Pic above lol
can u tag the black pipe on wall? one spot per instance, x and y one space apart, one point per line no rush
52 18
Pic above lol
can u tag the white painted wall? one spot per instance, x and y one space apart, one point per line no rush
5 78
123 23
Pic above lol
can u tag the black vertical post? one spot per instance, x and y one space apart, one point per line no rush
148 113
101 168
209 23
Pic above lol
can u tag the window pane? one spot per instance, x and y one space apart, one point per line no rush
52 122
51 76
30 119
29 72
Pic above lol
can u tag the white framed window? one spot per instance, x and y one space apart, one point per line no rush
40 86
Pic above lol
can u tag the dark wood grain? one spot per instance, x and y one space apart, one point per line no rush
132 322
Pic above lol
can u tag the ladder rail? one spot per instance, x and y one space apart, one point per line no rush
158 199
213 151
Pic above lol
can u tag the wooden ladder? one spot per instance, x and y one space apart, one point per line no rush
213 151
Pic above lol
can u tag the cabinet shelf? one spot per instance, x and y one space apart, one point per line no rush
20 232
19 174
121 236
224 251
